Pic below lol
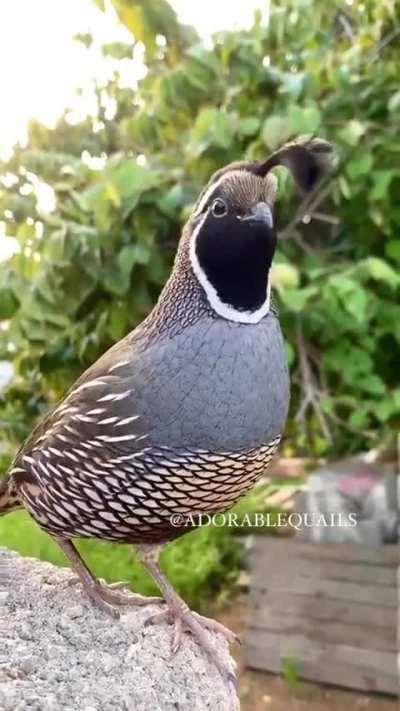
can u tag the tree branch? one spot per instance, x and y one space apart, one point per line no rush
306 207
311 394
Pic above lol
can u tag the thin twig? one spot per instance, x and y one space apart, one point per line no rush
351 428
346 26
296 237
322 217
311 395
375 52
306 207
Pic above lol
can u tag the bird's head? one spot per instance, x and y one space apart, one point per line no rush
231 236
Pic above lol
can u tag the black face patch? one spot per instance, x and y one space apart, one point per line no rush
236 255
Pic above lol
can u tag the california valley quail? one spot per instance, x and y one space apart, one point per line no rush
183 415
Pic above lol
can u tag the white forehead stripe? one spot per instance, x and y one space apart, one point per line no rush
211 189
220 307
270 186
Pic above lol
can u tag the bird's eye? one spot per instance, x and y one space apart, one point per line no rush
219 208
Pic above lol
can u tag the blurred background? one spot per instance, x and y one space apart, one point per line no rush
114 114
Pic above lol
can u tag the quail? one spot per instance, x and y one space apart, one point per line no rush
182 416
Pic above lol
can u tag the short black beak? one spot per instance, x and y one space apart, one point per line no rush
260 213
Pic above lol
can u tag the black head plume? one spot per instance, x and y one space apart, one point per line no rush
308 158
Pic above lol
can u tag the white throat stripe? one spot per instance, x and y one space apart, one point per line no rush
220 307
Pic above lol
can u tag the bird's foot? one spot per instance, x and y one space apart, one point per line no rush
111 592
185 620
106 595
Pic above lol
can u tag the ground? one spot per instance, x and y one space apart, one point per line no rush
268 692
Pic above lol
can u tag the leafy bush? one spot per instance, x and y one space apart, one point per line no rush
88 270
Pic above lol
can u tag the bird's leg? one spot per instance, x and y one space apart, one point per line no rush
181 616
104 595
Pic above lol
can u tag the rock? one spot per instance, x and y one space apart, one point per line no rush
60 653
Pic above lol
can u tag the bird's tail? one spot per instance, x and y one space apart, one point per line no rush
8 495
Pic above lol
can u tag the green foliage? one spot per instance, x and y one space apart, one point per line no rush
290 671
201 565
91 268
97 207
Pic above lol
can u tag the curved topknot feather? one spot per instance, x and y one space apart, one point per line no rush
308 158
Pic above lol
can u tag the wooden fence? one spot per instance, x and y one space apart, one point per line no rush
330 607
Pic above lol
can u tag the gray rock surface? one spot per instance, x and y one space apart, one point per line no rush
58 652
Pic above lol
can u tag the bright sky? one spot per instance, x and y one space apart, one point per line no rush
41 66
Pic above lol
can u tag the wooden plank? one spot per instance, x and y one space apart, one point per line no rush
327 570
334 631
279 548
387 555
334 673
343 675
337 664
320 609
300 647
332 589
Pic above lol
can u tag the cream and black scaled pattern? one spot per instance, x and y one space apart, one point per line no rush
180 417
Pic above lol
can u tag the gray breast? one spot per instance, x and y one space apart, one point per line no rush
218 385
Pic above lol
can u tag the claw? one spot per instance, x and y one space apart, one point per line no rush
106 595
158 617
177 638
184 620
112 594
233 680
119 585
105 606
215 626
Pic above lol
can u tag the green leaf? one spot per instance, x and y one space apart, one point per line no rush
133 17
352 295
352 132
111 192
146 19
285 276
343 357
392 249
84 38
171 200
129 256
394 102
359 165
343 284
290 353
249 126
131 179
380 270
296 299
276 130
396 398
304 119
384 409
8 303
212 128
373 384
381 183
355 303
117 50
344 187
117 320
361 417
